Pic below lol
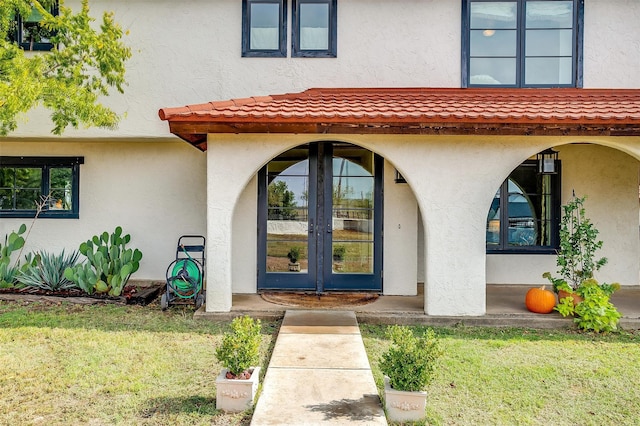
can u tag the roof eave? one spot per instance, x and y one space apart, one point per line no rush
195 132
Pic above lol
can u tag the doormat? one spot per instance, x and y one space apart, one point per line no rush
319 301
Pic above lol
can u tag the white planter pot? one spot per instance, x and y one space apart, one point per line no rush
236 395
404 406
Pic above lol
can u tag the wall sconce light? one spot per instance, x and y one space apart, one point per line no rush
488 33
399 178
547 162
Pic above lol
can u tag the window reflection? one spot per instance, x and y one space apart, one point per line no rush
314 26
265 26
523 210
522 43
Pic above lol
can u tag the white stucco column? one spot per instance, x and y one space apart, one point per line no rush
455 262
232 162
454 180
221 196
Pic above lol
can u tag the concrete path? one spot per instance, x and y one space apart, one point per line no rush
319 374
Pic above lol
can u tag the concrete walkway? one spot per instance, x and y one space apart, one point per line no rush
319 374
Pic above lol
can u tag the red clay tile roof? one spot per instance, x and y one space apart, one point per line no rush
415 111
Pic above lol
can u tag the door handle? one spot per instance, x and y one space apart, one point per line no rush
329 228
311 227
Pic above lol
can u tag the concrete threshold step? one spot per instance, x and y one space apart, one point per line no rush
319 374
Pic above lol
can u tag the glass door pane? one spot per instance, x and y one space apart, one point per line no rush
288 215
320 220
352 214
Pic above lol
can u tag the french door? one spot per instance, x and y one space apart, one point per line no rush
320 219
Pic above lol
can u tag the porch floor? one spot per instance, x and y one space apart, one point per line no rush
505 308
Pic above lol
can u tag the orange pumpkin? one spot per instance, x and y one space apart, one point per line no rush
540 301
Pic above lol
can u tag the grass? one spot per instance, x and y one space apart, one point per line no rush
128 365
111 365
527 377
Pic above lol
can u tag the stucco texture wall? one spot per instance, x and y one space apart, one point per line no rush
154 190
611 38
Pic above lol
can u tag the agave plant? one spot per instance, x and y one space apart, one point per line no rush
47 272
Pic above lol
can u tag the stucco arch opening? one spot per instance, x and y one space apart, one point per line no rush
606 172
400 243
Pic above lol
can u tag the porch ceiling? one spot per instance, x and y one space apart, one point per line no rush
439 111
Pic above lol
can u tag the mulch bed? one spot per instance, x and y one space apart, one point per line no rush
319 301
131 295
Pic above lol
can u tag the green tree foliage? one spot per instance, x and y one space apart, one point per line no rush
282 203
85 63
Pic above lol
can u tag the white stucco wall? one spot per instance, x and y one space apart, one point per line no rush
612 204
400 264
245 240
611 38
154 190
190 52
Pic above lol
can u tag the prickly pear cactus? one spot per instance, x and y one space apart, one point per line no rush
12 242
109 263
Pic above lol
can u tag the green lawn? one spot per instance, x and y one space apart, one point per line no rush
104 365
129 365
527 377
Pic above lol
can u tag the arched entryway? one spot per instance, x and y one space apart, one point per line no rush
320 219
520 245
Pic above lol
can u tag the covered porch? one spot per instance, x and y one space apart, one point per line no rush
454 147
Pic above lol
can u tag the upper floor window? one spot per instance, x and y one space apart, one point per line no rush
524 214
29 32
264 28
52 182
522 43
314 28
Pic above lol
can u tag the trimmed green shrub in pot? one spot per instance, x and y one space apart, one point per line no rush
294 254
410 362
240 348
409 365
239 353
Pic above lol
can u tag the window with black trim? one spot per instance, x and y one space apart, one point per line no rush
314 28
264 28
524 215
53 182
522 43
29 33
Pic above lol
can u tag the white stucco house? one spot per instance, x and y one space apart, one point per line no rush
391 143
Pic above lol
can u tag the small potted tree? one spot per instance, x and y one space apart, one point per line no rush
294 255
579 293
409 365
237 384
339 251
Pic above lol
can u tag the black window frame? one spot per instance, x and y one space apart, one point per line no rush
17 36
247 52
577 60
46 164
503 246
332 51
